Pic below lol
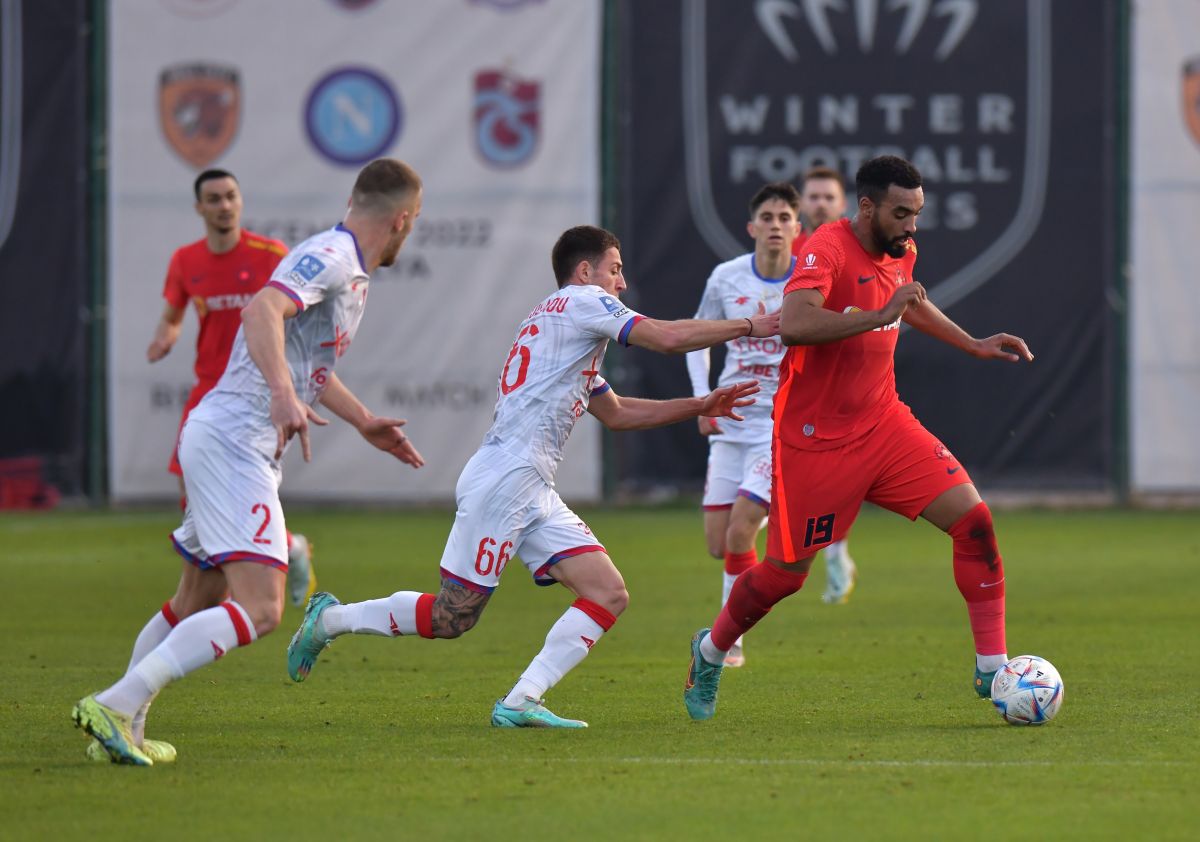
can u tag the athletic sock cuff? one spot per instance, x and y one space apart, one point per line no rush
737 563
603 617
425 615
241 623
169 615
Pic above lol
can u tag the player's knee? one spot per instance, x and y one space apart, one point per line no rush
264 615
975 532
616 600
716 547
451 621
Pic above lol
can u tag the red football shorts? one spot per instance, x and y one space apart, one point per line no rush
198 391
816 494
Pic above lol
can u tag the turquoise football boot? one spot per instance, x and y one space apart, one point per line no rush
700 689
309 640
531 714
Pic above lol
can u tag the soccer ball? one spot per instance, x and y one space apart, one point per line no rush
1027 690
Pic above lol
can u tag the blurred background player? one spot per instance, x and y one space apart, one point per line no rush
843 436
219 275
232 540
507 503
823 199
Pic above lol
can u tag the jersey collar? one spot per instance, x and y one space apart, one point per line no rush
362 264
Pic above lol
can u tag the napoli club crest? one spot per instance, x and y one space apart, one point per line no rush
507 118
837 83
199 107
1191 96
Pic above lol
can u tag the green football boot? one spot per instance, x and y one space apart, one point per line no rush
156 750
983 683
308 641
700 689
113 729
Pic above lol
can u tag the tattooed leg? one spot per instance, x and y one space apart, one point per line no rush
456 609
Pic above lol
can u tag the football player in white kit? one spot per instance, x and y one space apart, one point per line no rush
737 488
232 538
507 504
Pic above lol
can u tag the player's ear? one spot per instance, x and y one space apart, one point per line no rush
866 207
750 228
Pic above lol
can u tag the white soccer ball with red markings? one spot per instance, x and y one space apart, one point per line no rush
1027 690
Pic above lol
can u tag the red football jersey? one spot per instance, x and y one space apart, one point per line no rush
830 394
219 285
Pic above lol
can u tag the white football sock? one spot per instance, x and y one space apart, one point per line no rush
152 634
567 643
199 640
710 652
990 663
391 616
727 580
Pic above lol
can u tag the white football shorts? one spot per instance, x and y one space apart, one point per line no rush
737 468
233 510
506 509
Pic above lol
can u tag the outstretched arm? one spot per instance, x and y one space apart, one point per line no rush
383 433
618 413
682 335
927 318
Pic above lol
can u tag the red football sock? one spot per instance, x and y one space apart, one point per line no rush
753 595
738 563
979 574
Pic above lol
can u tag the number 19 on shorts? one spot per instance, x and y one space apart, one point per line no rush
818 530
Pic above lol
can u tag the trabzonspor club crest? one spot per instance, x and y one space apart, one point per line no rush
507 117
199 108
959 87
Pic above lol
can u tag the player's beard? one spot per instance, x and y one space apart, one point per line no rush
892 247
388 258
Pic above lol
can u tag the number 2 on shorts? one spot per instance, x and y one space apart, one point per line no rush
266 513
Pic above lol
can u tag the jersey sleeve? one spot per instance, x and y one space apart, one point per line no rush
174 290
816 267
599 386
308 278
599 314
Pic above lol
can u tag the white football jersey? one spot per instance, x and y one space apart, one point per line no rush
733 291
325 278
552 372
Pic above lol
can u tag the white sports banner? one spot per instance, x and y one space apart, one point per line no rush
1164 305
494 102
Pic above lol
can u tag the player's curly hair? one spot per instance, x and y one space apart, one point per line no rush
578 244
878 174
775 190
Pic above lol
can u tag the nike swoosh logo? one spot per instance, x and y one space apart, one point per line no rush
990 584
865 279
952 471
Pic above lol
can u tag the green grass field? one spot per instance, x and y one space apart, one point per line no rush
848 722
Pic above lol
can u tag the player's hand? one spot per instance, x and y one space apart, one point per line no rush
158 349
905 296
385 433
724 401
763 323
291 416
1002 346
709 426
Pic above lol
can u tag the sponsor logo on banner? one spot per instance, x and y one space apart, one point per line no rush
199 108
198 8
837 83
507 117
353 115
1191 96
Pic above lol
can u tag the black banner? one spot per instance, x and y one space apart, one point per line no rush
1005 109
43 236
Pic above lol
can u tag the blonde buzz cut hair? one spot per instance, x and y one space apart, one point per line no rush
383 185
